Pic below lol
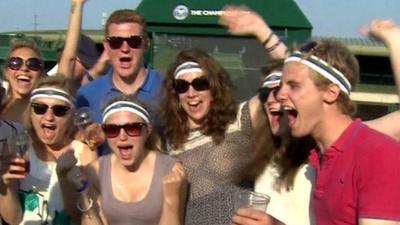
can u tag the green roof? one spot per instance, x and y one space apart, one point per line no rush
201 17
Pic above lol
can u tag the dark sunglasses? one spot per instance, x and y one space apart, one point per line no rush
199 84
263 93
58 110
134 41
131 129
309 47
15 63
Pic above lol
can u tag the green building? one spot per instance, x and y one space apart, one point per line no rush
178 25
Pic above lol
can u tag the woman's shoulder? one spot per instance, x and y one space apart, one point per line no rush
166 160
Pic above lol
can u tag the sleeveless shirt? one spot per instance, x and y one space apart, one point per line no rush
144 212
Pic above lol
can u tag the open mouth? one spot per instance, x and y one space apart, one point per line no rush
292 114
125 151
23 79
194 105
49 130
125 62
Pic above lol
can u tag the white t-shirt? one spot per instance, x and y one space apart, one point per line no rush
42 198
290 207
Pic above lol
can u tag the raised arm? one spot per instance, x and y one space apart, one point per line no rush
174 190
68 56
98 69
242 21
389 33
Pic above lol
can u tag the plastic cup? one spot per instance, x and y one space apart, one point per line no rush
251 199
18 146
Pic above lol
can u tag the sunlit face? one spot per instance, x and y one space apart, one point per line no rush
196 104
23 79
129 150
302 99
126 61
52 130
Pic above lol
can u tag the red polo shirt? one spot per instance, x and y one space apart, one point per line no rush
357 177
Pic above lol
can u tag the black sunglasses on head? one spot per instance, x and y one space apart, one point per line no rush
134 41
199 84
131 129
58 110
15 63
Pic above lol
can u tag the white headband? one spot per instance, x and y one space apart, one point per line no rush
126 106
273 79
323 68
187 67
51 92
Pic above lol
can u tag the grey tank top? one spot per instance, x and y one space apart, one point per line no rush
144 212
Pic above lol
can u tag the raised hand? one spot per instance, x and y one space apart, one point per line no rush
241 20
175 185
382 29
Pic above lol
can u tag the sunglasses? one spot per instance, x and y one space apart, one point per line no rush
58 110
309 47
131 129
15 63
134 41
199 84
264 92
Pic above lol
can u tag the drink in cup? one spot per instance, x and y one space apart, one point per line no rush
18 146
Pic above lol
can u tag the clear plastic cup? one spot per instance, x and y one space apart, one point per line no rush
251 199
18 146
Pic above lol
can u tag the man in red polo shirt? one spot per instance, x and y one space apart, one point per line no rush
358 168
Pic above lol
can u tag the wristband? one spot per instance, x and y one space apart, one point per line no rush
273 47
265 42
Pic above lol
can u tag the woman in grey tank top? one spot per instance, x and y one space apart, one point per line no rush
133 184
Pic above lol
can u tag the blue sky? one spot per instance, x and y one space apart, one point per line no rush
329 17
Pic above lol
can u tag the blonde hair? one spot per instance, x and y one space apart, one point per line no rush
340 57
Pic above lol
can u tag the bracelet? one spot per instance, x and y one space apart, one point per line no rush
83 187
84 210
273 47
264 43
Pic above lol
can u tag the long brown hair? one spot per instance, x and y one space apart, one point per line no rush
223 107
